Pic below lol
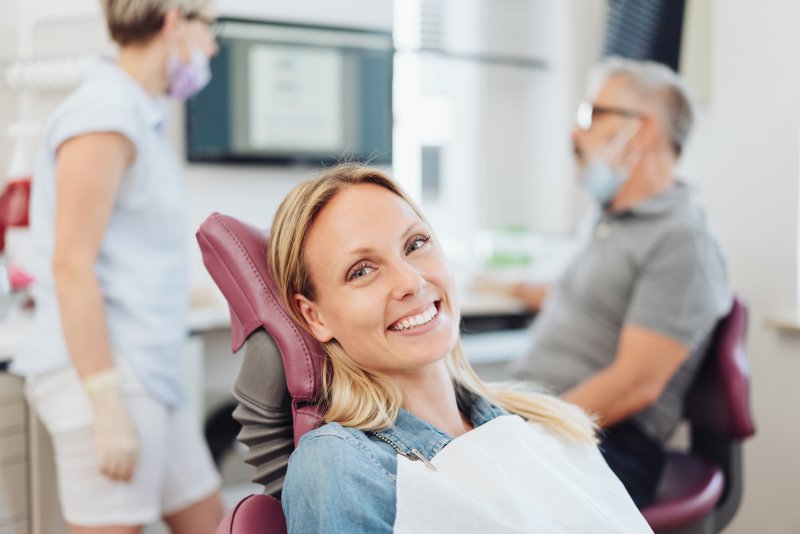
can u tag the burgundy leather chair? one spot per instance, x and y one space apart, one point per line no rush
235 255
701 489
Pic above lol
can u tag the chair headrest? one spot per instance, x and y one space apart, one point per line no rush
235 255
719 399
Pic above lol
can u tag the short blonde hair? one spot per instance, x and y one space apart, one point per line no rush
136 21
362 398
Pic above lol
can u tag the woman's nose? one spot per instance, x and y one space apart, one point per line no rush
406 281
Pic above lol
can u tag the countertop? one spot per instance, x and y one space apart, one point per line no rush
482 313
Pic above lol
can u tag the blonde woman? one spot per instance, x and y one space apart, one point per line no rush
108 223
414 441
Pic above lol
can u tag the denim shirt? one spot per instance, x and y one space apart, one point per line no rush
341 479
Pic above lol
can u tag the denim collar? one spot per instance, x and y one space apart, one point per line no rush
409 432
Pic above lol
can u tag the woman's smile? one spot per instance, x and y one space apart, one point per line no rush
415 321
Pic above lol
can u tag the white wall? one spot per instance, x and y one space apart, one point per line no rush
744 160
8 52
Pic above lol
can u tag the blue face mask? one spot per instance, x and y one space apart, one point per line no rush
600 180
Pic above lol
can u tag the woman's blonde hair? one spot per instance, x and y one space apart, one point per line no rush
362 398
136 21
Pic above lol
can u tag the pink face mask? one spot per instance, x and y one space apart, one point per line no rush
187 79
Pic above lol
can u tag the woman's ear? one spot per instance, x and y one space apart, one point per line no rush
172 23
315 322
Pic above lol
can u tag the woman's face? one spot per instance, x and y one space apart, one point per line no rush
198 35
383 287
186 34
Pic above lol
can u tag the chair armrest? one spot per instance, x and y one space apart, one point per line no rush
256 514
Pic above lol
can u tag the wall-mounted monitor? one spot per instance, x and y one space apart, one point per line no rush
294 93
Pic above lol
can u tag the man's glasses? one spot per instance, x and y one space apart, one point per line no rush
587 111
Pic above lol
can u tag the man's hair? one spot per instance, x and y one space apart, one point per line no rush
658 85
136 21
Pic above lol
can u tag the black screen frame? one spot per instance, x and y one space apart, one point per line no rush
231 157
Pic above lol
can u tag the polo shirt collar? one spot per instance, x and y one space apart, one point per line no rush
663 203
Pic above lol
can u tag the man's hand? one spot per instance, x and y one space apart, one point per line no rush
532 294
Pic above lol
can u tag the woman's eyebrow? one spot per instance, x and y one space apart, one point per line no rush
410 228
366 250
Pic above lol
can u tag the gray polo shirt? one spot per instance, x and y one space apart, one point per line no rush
657 266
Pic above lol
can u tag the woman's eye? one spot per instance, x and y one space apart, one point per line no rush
417 243
360 272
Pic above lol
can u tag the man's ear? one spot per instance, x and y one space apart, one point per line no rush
652 130
314 320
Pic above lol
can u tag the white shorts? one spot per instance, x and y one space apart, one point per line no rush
174 470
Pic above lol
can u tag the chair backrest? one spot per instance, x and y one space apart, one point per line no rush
718 409
234 253
718 402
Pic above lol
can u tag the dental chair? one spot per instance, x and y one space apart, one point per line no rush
280 374
701 489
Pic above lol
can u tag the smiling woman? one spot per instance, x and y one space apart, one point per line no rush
414 440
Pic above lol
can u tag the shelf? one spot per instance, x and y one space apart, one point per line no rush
784 322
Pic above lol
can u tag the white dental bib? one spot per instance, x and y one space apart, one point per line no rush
512 476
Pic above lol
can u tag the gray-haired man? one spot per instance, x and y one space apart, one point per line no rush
623 330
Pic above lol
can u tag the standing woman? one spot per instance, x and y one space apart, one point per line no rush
109 227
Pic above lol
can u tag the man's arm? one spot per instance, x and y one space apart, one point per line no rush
645 362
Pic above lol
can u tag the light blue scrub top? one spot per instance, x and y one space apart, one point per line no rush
142 265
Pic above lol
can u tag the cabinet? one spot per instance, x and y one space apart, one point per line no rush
14 491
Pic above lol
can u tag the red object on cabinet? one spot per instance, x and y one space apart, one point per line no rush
14 202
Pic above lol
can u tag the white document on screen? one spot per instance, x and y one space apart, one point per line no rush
511 476
296 100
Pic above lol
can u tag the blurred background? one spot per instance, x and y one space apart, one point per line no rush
469 104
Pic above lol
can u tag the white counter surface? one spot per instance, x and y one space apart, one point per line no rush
213 317
15 329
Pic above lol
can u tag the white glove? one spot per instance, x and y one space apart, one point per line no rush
116 441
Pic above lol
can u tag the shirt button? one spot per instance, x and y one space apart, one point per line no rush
602 231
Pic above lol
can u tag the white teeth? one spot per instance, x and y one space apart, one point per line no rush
416 320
